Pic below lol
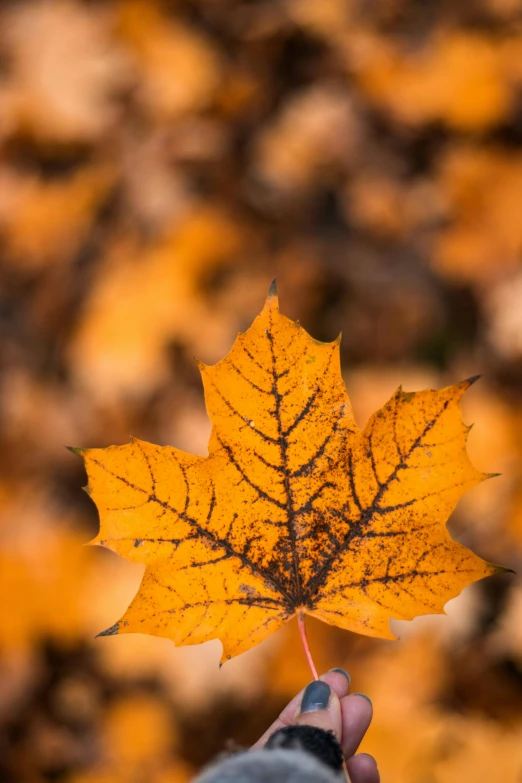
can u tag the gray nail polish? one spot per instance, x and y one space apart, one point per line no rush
364 697
342 671
315 697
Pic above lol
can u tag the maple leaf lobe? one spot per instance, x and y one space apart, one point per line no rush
295 508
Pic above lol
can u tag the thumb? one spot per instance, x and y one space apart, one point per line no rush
320 707
316 727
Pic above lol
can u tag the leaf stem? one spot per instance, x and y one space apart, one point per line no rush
304 640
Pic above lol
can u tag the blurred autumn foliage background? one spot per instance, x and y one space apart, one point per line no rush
160 163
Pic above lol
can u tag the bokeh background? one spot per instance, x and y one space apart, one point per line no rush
160 162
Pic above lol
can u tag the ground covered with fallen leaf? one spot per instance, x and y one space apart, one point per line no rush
161 163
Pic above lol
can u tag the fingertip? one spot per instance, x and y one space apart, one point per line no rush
363 769
358 704
320 707
338 680
342 671
367 699
316 697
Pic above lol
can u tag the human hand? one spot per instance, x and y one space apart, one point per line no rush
332 709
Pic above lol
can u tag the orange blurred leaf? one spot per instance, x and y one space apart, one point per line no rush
148 295
64 70
482 188
180 70
45 222
416 86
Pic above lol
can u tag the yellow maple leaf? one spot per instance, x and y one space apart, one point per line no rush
295 510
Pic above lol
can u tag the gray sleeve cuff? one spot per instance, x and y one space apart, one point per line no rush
269 766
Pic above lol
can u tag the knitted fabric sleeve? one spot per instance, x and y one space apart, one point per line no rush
269 766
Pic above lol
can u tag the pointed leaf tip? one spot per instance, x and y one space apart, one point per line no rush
499 569
504 570
272 299
470 381
112 631
78 450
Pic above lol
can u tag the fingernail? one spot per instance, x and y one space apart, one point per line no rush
364 697
316 696
342 671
